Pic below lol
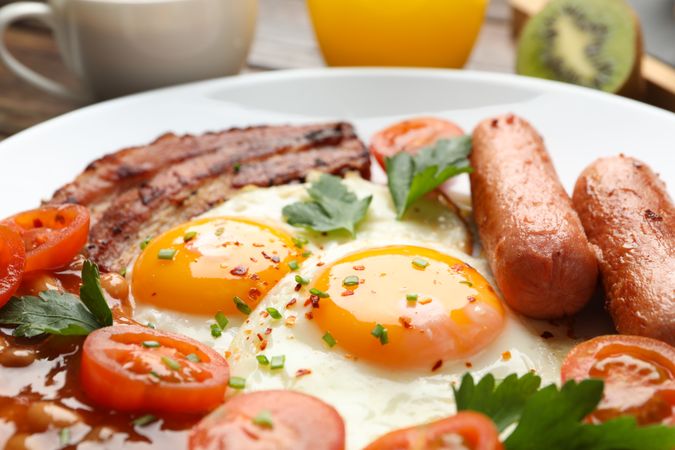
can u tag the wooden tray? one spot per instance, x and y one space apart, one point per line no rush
659 76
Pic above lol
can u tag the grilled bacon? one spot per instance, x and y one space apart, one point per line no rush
141 191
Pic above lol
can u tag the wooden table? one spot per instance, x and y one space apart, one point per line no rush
284 40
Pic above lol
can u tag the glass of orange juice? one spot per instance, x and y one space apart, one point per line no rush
420 33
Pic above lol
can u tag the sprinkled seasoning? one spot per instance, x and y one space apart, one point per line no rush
420 263
241 305
302 372
468 283
167 253
411 297
274 313
318 293
190 235
239 271
300 241
329 339
293 265
381 333
301 280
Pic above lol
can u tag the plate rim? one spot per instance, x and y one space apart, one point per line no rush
494 78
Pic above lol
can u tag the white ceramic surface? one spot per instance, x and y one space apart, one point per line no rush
578 124
116 47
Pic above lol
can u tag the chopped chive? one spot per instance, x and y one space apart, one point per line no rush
468 283
144 420
193 357
237 383
167 253
236 167
329 339
151 344
411 297
318 293
301 280
241 305
144 243
300 241
381 333
351 280
150 325
64 436
170 363
263 419
221 320
262 360
219 231
216 331
274 313
190 235
306 254
420 263
123 271
293 265
155 374
278 362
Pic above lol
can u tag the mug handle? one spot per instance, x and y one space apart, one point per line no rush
43 13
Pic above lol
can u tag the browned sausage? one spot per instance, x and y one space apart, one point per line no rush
630 219
533 239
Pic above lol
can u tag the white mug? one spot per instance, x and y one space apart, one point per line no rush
117 47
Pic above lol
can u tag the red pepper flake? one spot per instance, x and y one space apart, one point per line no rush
315 300
320 263
406 322
253 259
228 353
275 259
506 355
471 299
297 287
302 372
546 335
260 337
457 267
309 315
651 215
254 293
263 345
291 303
347 293
268 331
239 271
509 119
307 302
264 313
468 364
255 244
359 267
437 365
254 276
265 255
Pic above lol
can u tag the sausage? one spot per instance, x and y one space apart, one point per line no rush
532 237
283 420
630 219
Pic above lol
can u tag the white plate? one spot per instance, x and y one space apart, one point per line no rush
578 124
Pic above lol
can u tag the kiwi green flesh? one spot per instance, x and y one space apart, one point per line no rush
587 42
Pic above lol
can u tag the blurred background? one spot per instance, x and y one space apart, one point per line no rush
349 32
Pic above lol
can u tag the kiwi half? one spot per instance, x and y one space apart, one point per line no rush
593 43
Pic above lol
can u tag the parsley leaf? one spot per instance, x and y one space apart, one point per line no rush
552 417
55 312
332 207
51 312
504 404
92 295
410 177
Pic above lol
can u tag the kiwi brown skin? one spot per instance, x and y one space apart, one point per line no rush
609 28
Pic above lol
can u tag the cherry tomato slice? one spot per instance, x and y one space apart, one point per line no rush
53 235
12 262
466 429
410 136
283 420
639 375
134 368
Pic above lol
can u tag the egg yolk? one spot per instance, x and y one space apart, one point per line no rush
210 265
406 306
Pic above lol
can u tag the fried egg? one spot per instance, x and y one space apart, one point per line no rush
383 330
231 257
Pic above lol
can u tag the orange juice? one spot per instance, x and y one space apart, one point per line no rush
422 33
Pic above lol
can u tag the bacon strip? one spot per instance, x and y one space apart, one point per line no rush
141 191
